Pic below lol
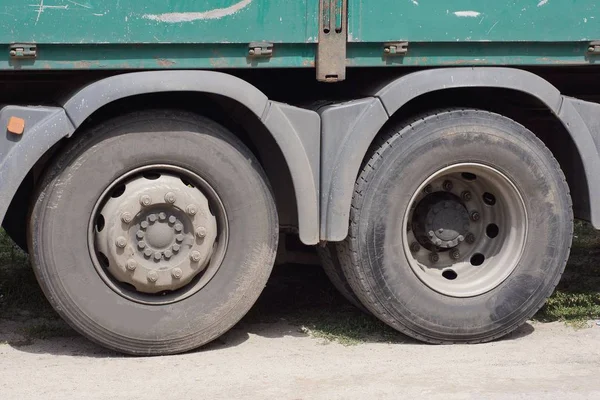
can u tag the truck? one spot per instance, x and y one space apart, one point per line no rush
158 155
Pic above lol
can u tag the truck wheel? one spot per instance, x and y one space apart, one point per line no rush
460 228
154 233
333 270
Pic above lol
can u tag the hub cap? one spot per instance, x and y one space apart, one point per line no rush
155 232
465 230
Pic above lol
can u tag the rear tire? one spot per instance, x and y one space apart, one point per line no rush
406 282
116 315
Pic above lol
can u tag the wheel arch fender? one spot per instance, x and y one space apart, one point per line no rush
349 130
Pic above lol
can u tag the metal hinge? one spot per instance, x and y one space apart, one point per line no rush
395 49
23 51
260 49
594 47
333 38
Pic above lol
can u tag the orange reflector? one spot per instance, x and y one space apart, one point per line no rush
16 125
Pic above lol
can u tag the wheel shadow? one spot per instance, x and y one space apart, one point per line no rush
298 301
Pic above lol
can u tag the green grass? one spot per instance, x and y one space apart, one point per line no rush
303 297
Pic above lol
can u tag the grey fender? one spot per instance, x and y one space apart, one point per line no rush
295 130
350 128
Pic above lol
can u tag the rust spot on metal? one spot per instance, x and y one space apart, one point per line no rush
308 63
16 125
164 63
84 64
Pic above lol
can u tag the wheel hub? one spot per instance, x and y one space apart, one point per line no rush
159 234
442 220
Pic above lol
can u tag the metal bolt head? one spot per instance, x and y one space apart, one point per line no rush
168 254
201 231
191 209
157 255
126 217
152 218
13 53
428 189
131 265
140 234
460 239
178 227
162 216
414 247
431 234
177 273
386 50
142 244
148 252
172 219
470 238
145 200
440 230
455 254
448 186
475 216
179 238
195 256
170 197
591 49
466 195
152 276
251 52
434 257
176 248
121 242
144 224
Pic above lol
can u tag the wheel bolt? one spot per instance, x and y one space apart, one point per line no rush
126 217
170 197
431 234
162 216
131 265
434 257
141 244
475 216
152 276
177 273
168 254
179 238
428 189
195 256
176 248
447 186
466 196
191 209
148 253
145 200
201 232
121 242
157 255
455 254
152 218
470 238
178 227
144 224
172 219
414 247
140 234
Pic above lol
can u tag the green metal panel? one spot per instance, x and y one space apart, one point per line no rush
474 20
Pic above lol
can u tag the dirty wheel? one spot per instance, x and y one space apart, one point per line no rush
154 233
461 228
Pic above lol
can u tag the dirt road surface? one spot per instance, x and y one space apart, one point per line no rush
278 361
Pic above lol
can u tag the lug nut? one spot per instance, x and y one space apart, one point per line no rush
152 218
475 216
434 257
131 265
178 227
141 244
157 256
431 234
172 219
460 239
447 186
177 273
176 248
144 224
455 254
126 217
162 216
414 247
148 253
145 200
121 242
168 254
152 276
139 234
466 196
201 232
470 238
195 256
191 209
428 189
170 197
179 238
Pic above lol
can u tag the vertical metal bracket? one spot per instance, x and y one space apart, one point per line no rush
333 37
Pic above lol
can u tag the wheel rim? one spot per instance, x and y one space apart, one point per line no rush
465 229
158 234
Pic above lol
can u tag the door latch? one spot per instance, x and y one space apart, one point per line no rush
260 50
21 51
395 49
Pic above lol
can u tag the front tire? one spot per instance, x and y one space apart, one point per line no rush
89 240
460 228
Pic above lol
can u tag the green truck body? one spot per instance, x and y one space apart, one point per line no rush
158 158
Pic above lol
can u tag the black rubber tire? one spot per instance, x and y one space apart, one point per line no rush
333 270
58 231
377 268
